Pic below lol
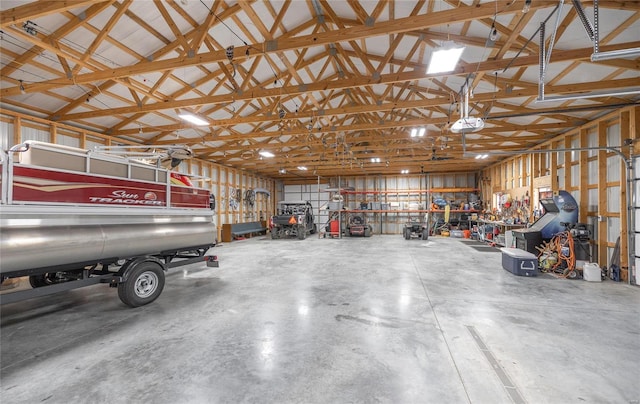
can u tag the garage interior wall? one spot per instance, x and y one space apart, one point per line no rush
389 201
224 182
595 178
314 193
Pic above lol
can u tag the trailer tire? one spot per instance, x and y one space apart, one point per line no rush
143 284
38 281
425 234
302 232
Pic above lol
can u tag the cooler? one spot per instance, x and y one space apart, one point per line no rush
519 262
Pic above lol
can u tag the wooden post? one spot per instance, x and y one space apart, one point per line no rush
625 126
53 133
568 185
583 185
554 167
602 242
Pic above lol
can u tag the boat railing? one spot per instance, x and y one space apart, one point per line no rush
99 163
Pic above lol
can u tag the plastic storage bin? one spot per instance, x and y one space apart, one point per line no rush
519 262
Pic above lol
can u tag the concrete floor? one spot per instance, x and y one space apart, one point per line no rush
355 320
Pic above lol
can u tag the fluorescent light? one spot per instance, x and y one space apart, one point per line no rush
194 119
444 59
375 159
414 132
404 171
265 153
421 132
302 168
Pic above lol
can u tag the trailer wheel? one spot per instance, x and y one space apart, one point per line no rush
38 281
302 232
143 285
425 234
407 233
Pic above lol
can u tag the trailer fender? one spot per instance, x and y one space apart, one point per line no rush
126 269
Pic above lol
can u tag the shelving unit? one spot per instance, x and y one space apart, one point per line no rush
407 194
404 203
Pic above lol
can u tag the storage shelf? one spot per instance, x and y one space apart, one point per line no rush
409 211
409 191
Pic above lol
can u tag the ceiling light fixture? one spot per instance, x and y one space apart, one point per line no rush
375 159
22 90
493 34
481 156
265 153
445 58
415 132
192 118
302 168
404 171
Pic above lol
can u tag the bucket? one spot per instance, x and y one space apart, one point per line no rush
444 233
466 233
591 272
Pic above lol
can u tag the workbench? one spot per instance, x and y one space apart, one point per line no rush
504 238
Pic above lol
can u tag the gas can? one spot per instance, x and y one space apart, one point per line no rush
334 227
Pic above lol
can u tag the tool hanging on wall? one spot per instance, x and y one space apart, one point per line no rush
249 197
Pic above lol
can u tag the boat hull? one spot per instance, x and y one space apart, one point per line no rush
37 239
